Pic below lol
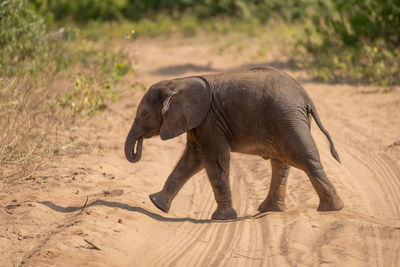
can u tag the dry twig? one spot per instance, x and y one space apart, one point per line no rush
93 245
84 206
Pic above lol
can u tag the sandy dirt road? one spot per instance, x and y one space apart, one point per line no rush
44 220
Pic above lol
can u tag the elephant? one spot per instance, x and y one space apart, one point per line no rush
260 111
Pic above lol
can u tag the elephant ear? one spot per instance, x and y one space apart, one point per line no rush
186 107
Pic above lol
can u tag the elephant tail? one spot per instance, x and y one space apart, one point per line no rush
314 113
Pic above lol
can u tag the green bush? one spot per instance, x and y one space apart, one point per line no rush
22 34
354 41
92 88
79 10
351 22
88 95
84 10
36 66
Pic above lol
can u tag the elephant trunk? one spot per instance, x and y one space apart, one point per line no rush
130 143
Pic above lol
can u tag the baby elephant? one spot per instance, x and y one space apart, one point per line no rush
261 111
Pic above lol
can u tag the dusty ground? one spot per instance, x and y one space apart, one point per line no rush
44 222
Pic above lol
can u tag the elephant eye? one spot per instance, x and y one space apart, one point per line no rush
145 114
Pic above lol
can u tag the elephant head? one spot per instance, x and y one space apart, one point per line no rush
169 108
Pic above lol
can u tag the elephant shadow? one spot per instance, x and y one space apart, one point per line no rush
155 216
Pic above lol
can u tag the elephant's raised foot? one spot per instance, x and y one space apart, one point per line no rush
335 204
161 201
267 205
224 214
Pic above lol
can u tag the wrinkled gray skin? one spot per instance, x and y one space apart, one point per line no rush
260 111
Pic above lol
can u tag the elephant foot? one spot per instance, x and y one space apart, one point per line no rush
224 214
268 205
161 201
334 204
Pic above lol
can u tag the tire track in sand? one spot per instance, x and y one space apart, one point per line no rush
370 176
241 228
246 245
276 238
216 241
172 250
388 178
199 241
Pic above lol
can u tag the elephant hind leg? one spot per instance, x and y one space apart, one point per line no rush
275 200
329 200
305 156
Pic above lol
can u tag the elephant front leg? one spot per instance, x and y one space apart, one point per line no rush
189 164
275 200
218 174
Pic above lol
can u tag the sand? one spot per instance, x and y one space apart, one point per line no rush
44 220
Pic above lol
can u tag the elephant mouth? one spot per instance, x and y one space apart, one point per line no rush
150 133
134 143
